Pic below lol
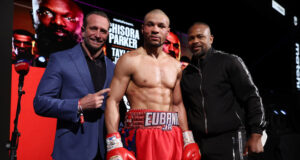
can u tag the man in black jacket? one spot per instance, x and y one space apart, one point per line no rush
221 100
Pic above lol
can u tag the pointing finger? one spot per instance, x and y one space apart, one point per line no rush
101 92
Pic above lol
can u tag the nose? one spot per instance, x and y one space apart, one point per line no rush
98 33
22 45
58 20
155 29
171 47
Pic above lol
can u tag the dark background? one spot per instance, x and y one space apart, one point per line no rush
251 29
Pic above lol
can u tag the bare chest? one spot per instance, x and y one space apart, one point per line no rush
155 74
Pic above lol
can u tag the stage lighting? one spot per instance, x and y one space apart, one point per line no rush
295 21
283 112
278 7
42 59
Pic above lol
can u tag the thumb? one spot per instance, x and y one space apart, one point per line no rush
103 91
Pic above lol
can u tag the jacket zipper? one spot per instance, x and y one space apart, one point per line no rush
202 102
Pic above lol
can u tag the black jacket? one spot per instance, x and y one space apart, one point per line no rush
220 96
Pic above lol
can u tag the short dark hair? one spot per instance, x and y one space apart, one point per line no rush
99 13
200 23
23 32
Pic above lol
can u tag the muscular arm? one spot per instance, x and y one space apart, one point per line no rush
178 105
118 87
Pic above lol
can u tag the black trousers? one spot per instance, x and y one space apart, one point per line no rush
227 146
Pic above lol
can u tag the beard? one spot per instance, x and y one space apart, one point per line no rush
201 54
48 42
92 49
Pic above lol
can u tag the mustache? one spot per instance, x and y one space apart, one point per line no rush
51 29
48 42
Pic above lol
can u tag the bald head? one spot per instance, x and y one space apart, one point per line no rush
200 25
199 39
157 12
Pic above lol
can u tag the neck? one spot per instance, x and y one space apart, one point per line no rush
92 55
153 51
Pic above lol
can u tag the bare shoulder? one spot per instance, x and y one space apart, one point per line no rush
128 61
174 62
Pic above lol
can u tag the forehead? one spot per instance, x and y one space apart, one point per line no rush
94 19
61 6
199 29
22 38
157 18
172 38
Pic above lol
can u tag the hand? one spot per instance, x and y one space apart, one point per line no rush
254 144
191 150
115 149
92 101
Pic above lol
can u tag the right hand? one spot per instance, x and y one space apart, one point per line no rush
92 101
115 149
120 154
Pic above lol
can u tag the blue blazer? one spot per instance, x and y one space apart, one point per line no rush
67 79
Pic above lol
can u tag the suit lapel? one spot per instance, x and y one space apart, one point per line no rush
79 60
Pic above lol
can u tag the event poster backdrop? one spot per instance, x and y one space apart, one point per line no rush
37 133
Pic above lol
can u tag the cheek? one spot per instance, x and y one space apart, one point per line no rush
73 27
104 36
45 21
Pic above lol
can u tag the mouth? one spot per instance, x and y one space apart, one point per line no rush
196 48
60 33
155 38
96 42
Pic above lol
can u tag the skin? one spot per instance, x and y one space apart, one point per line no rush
22 47
172 45
94 34
200 41
148 76
22 42
65 15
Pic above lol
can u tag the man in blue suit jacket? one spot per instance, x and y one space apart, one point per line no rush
74 89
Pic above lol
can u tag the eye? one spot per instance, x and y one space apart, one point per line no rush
161 26
17 41
176 45
149 24
191 38
28 43
71 19
45 13
103 31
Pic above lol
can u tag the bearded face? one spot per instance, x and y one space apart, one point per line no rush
57 23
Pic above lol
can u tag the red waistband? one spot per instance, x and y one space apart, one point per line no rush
141 118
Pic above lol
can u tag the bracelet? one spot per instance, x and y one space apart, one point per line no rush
80 113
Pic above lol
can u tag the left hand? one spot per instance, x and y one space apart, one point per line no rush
254 144
191 150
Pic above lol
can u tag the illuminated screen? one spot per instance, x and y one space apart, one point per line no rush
34 39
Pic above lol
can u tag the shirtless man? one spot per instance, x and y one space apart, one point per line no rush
156 122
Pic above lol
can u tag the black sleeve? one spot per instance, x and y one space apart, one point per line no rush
247 93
